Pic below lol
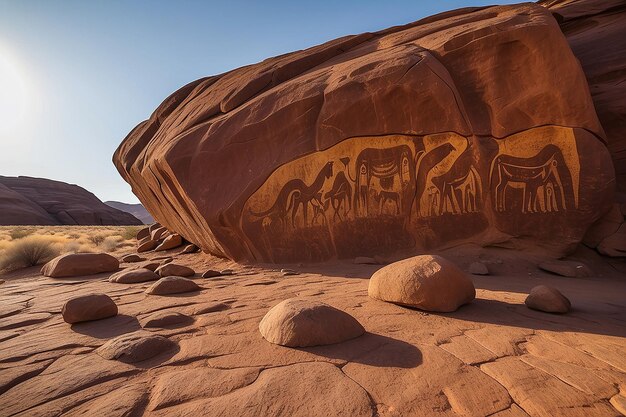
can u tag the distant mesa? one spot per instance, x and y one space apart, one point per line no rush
472 126
137 210
40 201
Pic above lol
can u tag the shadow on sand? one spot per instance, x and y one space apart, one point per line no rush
108 328
373 350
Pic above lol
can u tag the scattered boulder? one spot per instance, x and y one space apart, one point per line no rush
227 272
288 272
165 319
143 233
566 269
297 322
170 242
427 282
478 268
211 273
169 269
157 233
153 227
133 276
88 307
135 347
132 258
189 249
172 285
147 246
75 264
547 299
151 265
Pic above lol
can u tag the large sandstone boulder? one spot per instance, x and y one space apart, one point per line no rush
427 282
88 307
475 125
301 323
40 201
595 30
76 264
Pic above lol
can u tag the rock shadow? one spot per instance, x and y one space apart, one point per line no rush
108 328
374 350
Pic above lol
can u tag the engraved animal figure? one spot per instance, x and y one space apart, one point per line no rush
385 197
539 185
459 195
340 196
425 163
294 195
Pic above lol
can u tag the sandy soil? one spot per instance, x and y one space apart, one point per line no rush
493 357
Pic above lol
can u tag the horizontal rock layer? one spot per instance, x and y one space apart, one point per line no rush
475 125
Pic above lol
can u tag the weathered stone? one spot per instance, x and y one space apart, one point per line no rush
364 166
189 249
132 258
172 285
133 276
211 273
170 242
143 233
427 282
156 234
300 323
135 347
88 307
76 264
147 246
547 299
566 269
169 269
165 319
478 268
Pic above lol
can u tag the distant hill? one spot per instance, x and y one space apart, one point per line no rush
136 210
40 201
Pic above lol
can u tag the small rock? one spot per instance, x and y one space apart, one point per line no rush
287 272
152 266
566 269
211 273
143 233
154 226
165 319
301 323
365 260
147 246
88 307
170 269
75 264
189 249
427 282
156 234
133 276
135 347
618 401
132 258
227 272
547 299
2 281
478 268
172 285
211 308
170 242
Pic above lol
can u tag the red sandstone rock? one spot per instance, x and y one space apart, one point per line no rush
76 264
170 242
172 285
147 246
547 299
169 269
427 282
471 126
133 276
40 201
88 307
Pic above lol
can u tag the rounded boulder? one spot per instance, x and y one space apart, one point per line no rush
88 307
133 276
547 299
301 323
171 269
76 264
172 285
427 282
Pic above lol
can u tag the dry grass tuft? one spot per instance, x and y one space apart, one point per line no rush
28 251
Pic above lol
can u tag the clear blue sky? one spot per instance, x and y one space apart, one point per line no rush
76 76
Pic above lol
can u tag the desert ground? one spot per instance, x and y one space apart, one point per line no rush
492 357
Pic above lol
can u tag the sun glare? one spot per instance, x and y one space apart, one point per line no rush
14 95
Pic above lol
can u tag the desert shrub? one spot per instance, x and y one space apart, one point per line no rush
109 244
130 232
97 238
28 251
72 247
20 232
73 236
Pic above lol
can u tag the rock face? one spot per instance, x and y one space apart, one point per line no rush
595 31
427 282
40 201
88 307
547 299
137 210
75 264
474 125
302 323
